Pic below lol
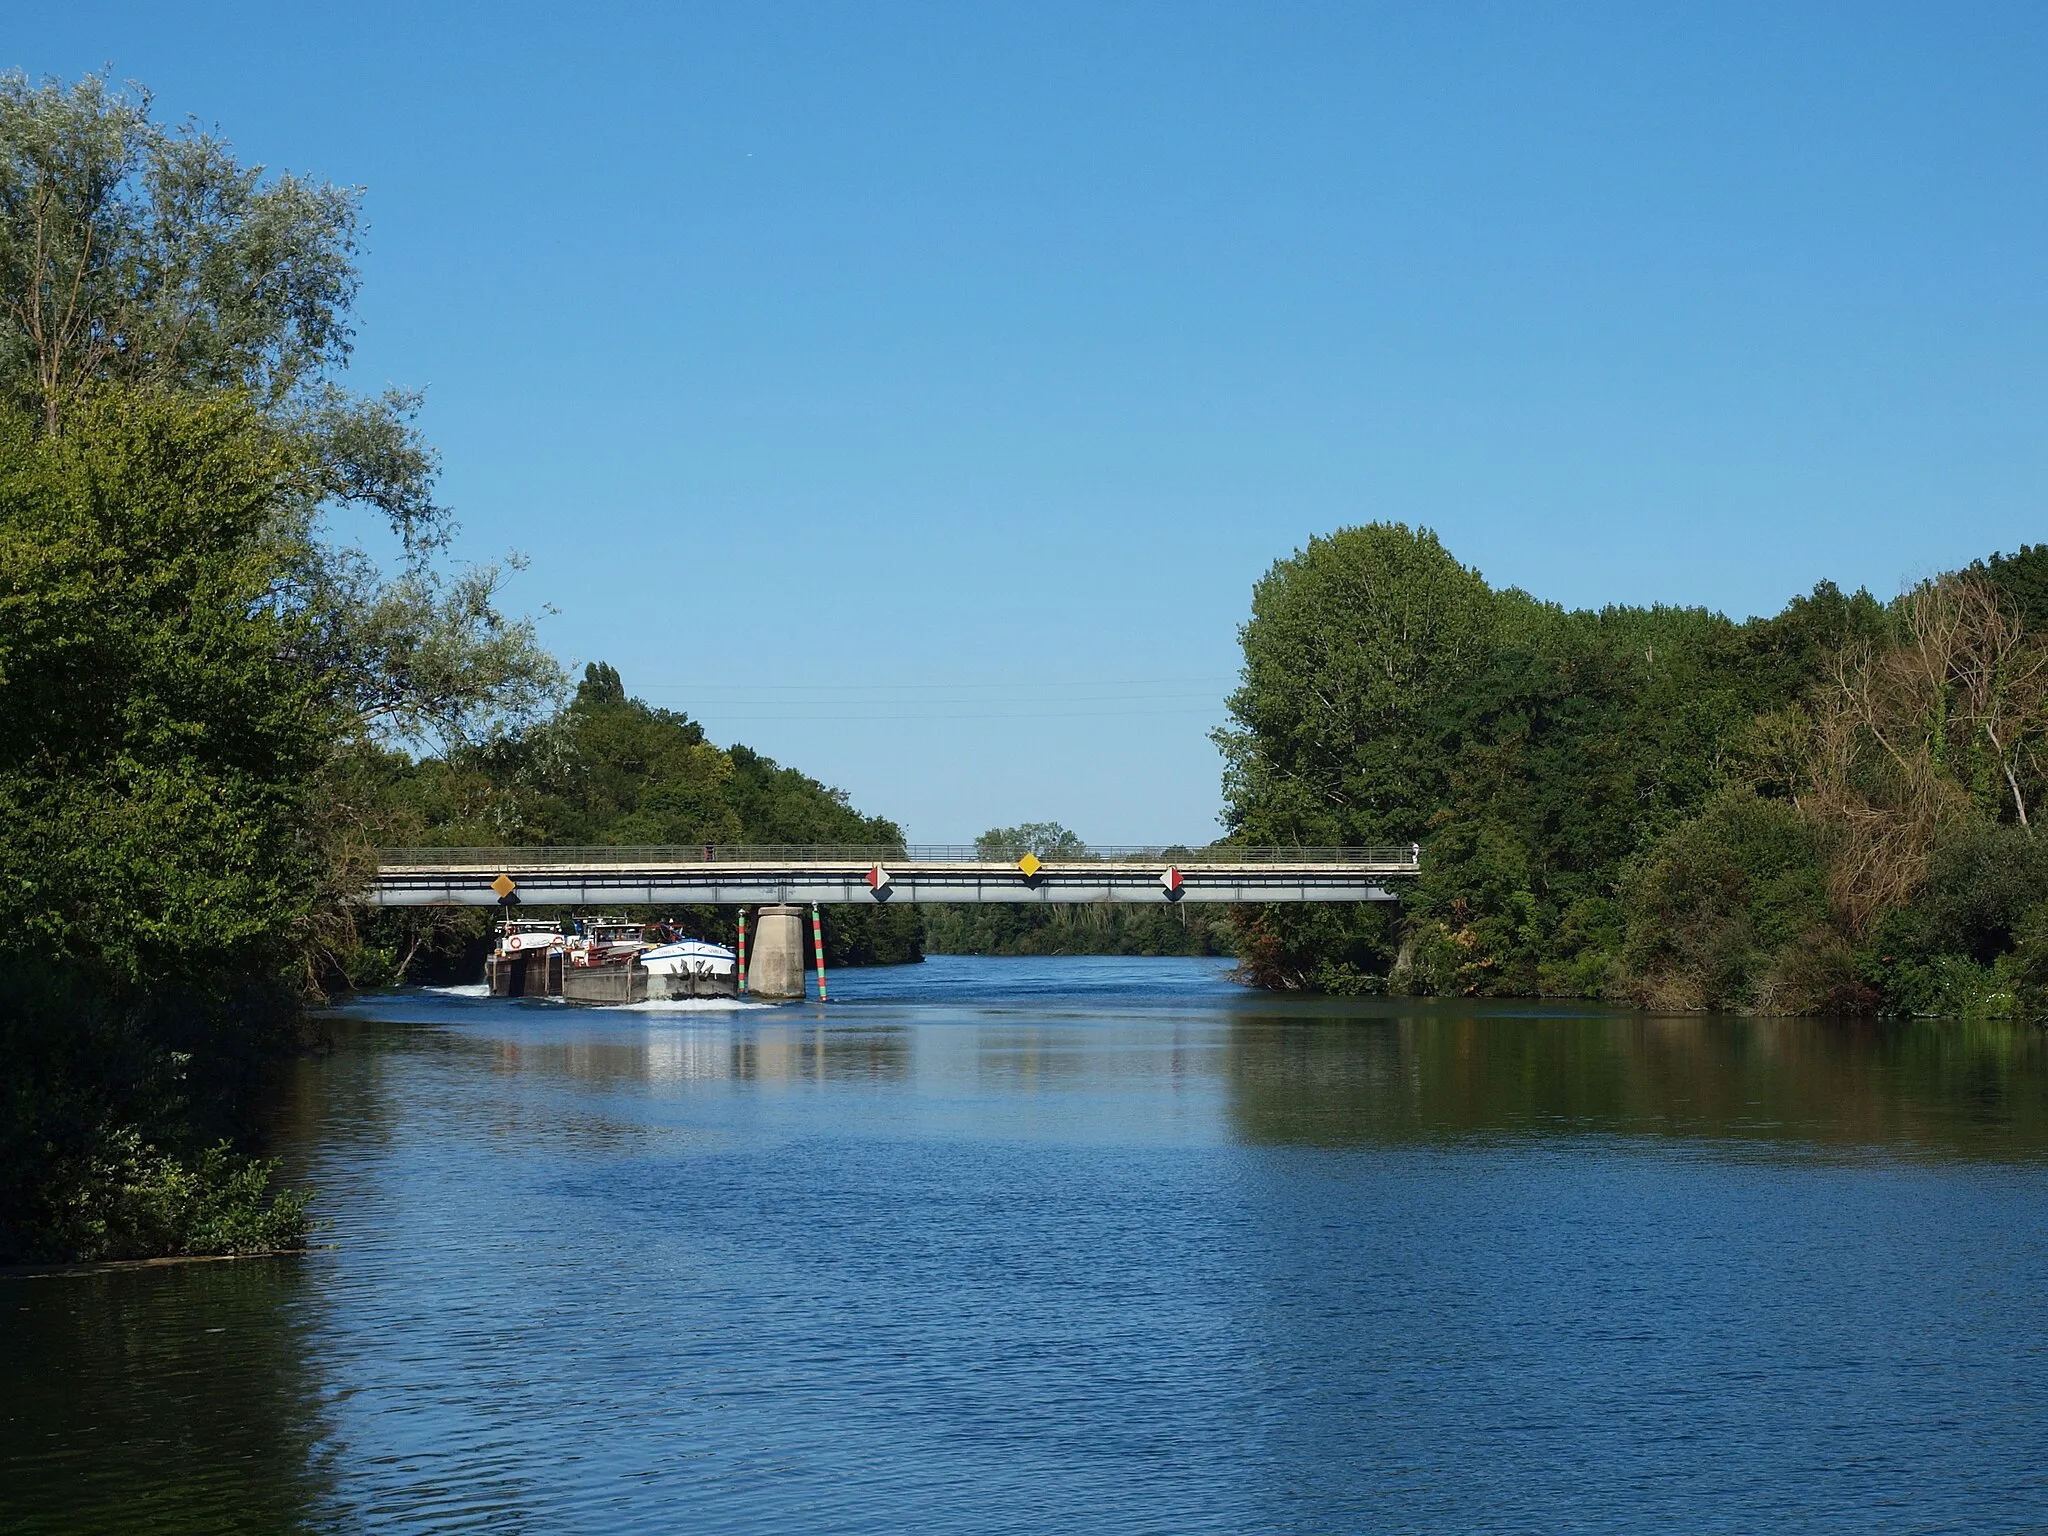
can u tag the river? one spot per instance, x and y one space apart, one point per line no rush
1094 1246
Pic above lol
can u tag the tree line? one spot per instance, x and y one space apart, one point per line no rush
1830 810
1100 928
605 769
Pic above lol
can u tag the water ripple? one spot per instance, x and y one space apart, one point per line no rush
1028 1246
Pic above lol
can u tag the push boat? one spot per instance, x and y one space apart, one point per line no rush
526 936
528 959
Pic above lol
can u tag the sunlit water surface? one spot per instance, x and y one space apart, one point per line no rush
1088 1245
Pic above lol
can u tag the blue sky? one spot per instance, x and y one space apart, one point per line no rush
914 392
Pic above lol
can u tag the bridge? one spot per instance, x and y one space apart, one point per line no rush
724 875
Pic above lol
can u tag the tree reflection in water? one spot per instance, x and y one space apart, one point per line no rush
1329 1075
160 1399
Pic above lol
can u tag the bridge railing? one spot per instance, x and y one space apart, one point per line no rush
785 854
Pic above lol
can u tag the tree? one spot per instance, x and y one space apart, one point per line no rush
1350 644
1901 742
150 258
2022 579
1046 839
157 884
1349 641
193 672
140 255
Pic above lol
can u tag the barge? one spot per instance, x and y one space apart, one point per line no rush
607 961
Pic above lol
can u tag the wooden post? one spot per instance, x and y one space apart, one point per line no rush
818 947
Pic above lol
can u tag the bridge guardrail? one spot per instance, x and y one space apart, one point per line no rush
1406 856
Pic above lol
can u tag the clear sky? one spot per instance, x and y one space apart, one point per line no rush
915 392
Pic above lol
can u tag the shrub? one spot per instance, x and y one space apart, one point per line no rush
131 1200
1725 903
1982 880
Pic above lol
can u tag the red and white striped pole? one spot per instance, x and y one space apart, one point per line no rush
818 947
743 952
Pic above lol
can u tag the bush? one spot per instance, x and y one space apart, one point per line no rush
1429 963
1729 905
2026 968
130 1200
1981 882
1305 947
1815 973
1949 986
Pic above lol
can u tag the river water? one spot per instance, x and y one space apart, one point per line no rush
1088 1245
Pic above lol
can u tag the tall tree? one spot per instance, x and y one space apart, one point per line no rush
150 258
187 659
1350 640
158 883
1351 644
137 254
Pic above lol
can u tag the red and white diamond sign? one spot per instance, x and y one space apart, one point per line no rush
1170 881
878 880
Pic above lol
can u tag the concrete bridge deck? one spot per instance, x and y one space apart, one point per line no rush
753 876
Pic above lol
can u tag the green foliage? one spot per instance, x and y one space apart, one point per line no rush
423 656
1647 803
607 770
2025 968
2023 578
1045 839
151 259
137 255
1975 941
192 675
159 755
156 882
1729 910
1537 751
1317 948
1982 883
131 1201
1951 986
1350 642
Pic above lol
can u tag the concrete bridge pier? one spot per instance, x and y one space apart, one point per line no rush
775 953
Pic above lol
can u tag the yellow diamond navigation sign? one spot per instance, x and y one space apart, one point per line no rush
1029 864
504 885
